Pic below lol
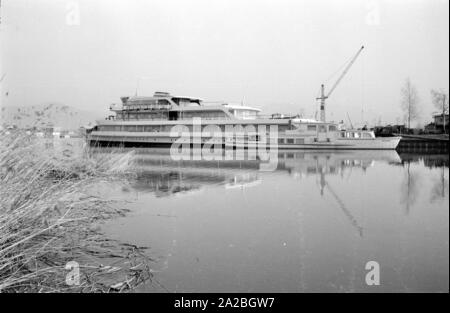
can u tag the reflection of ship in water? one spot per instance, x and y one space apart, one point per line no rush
332 163
165 182
157 172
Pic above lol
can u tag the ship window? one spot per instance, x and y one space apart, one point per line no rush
322 128
332 128
280 140
163 103
186 102
290 141
312 127
245 114
300 141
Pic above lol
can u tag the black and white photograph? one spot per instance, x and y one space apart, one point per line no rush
224 152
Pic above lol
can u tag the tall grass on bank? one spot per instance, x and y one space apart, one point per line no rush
48 218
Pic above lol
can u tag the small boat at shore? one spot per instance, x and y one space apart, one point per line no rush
165 120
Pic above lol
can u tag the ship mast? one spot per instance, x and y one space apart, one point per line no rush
324 96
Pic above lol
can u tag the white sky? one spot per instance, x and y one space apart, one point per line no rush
271 54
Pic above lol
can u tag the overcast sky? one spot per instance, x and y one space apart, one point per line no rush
270 54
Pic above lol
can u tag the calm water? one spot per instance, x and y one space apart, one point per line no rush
309 226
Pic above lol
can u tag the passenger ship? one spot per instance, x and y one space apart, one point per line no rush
148 121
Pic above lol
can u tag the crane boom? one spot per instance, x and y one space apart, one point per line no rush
323 97
344 72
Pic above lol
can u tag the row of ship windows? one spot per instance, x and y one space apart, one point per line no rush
165 116
141 116
147 128
322 128
280 140
146 104
147 139
136 128
205 115
139 128
356 135
291 141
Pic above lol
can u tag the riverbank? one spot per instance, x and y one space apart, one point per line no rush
50 222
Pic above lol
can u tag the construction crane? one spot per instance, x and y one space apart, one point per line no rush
324 96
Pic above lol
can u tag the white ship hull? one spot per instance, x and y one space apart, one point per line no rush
165 140
377 144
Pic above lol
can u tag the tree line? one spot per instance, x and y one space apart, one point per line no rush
410 102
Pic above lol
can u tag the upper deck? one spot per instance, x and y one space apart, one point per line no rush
159 101
163 106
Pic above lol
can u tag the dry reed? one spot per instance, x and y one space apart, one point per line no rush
48 218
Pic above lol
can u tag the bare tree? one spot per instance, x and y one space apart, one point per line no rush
440 101
410 101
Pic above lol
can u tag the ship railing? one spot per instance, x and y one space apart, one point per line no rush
116 107
156 107
276 116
